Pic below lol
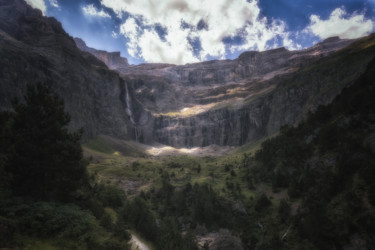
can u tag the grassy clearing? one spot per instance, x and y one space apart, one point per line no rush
224 173
100 145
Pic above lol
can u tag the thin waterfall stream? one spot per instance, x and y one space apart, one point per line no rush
130 113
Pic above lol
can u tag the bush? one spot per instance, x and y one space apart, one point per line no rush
43 219
111 196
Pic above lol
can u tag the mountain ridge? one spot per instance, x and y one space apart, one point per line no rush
113 60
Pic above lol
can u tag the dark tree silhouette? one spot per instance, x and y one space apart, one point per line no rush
47 162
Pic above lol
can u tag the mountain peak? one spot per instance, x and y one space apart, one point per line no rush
332 39
113 60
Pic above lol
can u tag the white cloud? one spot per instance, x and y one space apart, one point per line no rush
38 4
131 31
340 24
90 10
54 3
220 19
148 45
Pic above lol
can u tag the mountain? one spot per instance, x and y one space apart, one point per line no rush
35 48
223 102
233 102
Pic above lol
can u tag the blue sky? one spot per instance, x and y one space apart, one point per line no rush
187 31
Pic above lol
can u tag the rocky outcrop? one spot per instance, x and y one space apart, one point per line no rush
219 240
34 48
112 59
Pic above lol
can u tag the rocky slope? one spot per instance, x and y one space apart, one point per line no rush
34 48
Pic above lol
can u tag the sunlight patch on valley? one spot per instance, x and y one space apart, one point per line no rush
190 111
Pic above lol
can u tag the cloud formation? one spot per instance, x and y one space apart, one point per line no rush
90 10
340 24
165 31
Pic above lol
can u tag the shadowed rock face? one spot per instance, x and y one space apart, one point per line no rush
34 48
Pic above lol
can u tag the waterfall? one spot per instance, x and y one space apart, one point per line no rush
130 113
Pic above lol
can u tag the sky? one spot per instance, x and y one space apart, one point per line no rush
189 31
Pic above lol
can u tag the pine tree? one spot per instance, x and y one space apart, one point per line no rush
48 161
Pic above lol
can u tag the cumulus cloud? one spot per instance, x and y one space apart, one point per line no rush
38 4
90 10
207 22
341 24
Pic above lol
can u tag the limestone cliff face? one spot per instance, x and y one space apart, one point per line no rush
113 60
34 48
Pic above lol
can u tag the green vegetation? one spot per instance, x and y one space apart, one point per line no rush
306 187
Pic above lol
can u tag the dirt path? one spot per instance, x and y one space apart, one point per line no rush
137 244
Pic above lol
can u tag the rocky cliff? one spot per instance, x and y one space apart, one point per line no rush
34 48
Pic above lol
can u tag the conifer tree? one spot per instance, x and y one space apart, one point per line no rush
47 162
